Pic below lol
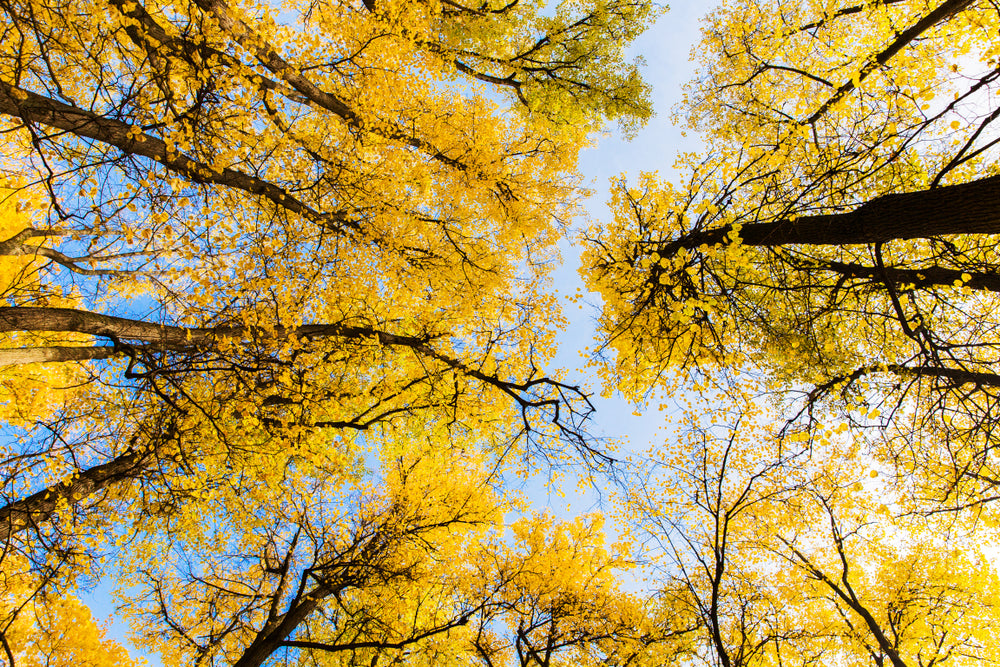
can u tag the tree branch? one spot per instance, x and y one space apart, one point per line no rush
965 208
34 108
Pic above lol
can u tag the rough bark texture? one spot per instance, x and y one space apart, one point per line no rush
37 508
35 108
958 376
13 318
967 208
182 339
41 355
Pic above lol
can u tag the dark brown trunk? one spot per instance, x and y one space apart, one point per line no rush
934 276
847 11
131 140
967 208
37 508
367 561
269 58
13 318
957 376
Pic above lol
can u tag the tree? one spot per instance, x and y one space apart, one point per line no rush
60 632
242 176
251 246
326 566
839 233
408 564
798 553
564 602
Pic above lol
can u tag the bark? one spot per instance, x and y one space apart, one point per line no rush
954 376
532 394
966 208
245 36
33 108
17 246
383 645
933 276
152 37
39 507
14 318
847 11
41 355
179 338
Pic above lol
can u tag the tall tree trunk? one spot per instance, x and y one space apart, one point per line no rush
41 355
180 338
184 339
39 507
967 208
34 108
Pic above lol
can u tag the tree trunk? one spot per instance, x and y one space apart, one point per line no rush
265 644
36 508
180 338
364 563
41 355
967 208
941 13
184 339
932 276
130 139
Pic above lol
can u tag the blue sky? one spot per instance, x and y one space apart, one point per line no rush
666 48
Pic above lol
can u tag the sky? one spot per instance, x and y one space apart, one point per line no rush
666 49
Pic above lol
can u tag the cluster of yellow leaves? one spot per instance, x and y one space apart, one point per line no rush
805 109
786 550
423 566
353 208
397 196
808 110
48 630
449 233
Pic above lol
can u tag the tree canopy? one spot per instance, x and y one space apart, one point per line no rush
821 279
278 322
272 276
838 233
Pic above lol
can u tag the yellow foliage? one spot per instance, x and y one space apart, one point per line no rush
46 630
31 391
